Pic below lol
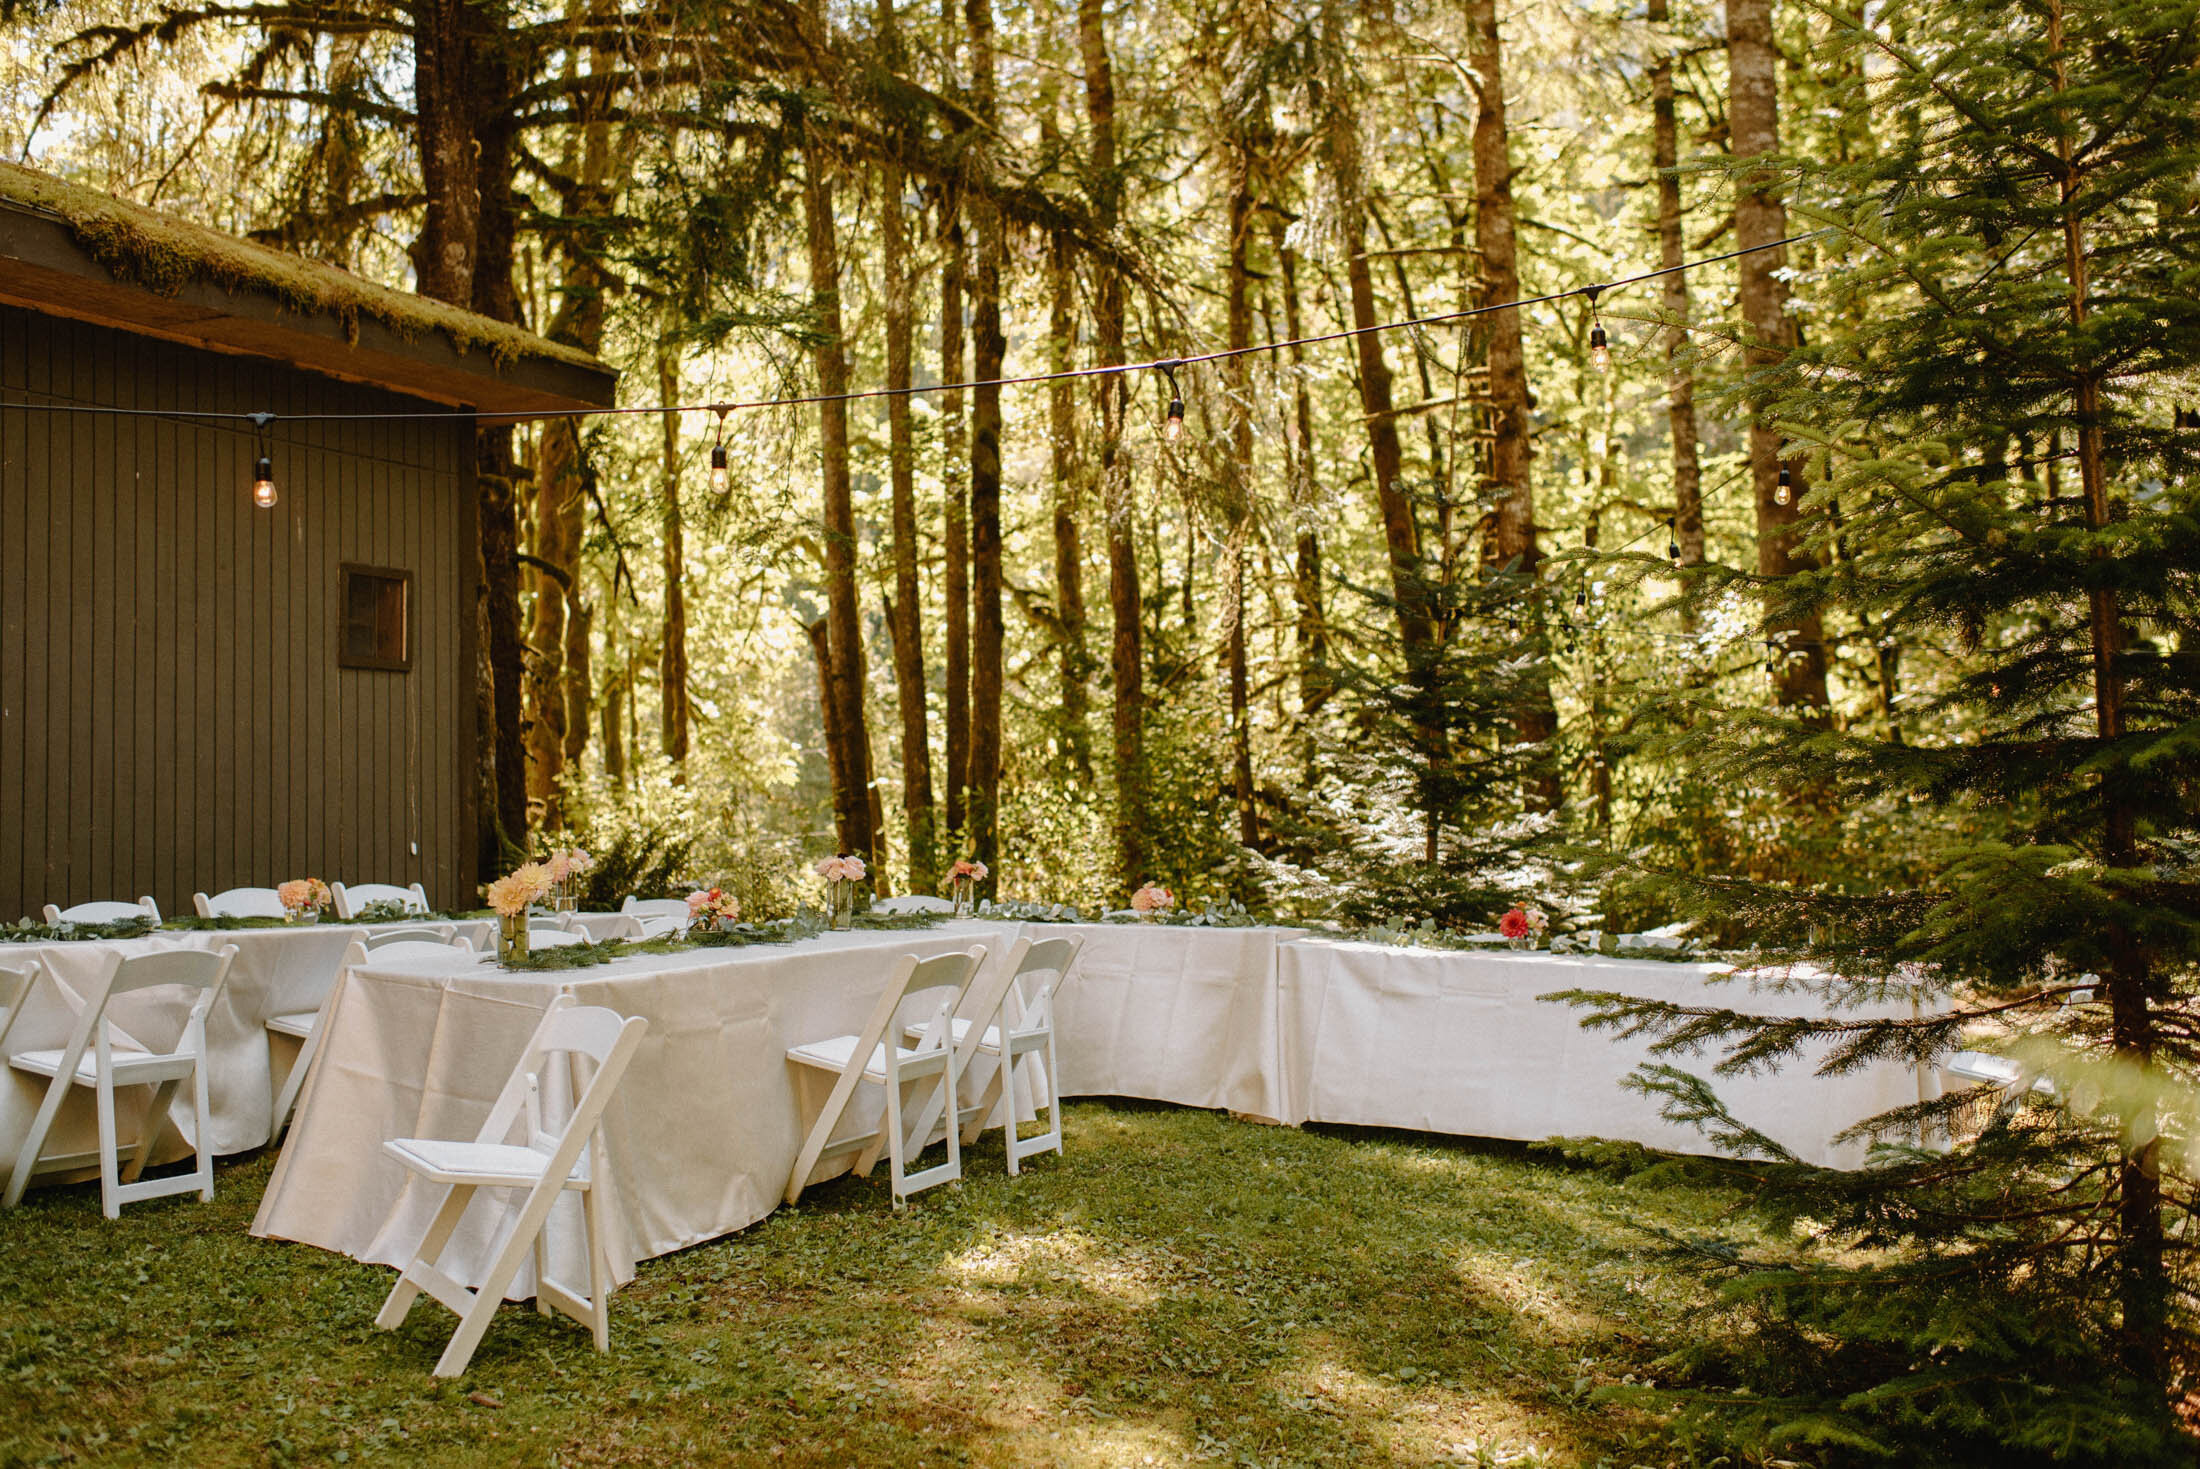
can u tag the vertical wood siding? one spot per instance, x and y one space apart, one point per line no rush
172 717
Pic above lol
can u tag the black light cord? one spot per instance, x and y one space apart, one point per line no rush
1165 365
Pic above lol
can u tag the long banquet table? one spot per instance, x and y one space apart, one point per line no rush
1271 1023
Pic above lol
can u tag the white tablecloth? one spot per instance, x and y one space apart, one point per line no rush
1261 1021
701 1135
1184 1015
1457 1042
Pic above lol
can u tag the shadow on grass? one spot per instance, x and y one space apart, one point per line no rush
1178 1286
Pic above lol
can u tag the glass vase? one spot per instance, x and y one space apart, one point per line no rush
966 896
842 903
512 937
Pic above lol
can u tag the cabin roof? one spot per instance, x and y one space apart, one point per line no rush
66 250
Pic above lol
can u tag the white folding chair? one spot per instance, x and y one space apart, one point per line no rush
913 903
1011 1018
350 900
645 909
548 933
107 1068
419 933
546 1164
304 1026
658 926
877 1057
239 903
104 912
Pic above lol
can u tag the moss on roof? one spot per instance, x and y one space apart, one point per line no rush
163 254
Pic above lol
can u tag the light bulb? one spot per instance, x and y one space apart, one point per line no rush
1600 351
1784 491
1174 428
263 483
718 469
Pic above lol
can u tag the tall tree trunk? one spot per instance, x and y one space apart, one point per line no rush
1240 330
1069 551
444 91
1401 536
616 691
1753 115
1512 531
558 548
1127 653
1312 631
844 613
2144 1284
673 661
557 635
905 615
1680 380
990 348
956 509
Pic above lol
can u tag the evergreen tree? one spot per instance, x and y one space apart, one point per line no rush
2001 476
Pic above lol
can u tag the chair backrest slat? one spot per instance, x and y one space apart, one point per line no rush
426 933
434 950
603 1035
104 912
352 897
239 903
655 907
196 968
1048 963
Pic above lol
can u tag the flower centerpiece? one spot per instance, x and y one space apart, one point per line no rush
303 898
1524 927
962 883
1151 901
511 896
713 908
566 865
841 875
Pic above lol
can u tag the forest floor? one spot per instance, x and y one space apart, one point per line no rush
1179 1288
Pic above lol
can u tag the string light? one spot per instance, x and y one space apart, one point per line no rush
1173 428
1109 370
1672 541
1784 489
1600 350
718 454
263 467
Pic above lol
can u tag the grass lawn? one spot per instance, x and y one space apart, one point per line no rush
1180 1287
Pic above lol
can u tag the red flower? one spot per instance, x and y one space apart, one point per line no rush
1513 925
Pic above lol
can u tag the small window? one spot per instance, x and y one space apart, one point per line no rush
377 626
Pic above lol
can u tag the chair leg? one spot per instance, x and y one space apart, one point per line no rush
542 1271
109 1202
474 1325
430 1249
896 1148
599 1264
26 1158
987 1101
202 1123
154 1128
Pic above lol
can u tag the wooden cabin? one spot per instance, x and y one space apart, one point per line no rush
198 691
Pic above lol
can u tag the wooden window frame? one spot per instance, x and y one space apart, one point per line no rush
345 571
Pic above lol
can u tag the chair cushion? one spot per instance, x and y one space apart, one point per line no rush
990 1041
449 1161
833 1054
299 1024
131 1066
